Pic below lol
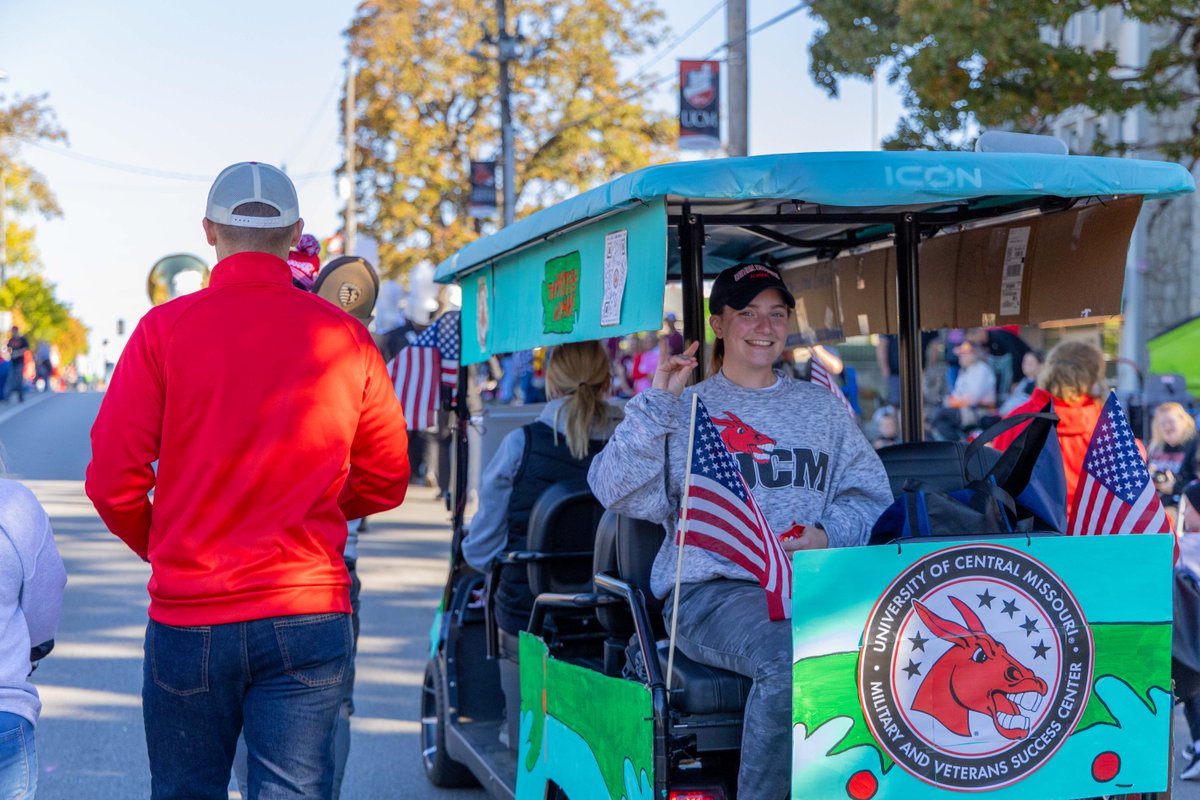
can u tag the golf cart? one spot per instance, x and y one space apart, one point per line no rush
869 243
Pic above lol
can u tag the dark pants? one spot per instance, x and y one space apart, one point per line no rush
280 681
15 382
510 685
724 623
947 423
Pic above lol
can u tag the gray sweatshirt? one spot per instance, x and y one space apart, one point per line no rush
489 527
31 590
801 454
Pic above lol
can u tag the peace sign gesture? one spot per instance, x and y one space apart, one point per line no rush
672 374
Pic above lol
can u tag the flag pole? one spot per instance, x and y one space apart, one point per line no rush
687 483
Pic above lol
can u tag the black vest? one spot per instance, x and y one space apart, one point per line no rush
543 464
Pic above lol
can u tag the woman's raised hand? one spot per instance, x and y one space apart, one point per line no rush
672 374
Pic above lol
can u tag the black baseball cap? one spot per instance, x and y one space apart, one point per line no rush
740 284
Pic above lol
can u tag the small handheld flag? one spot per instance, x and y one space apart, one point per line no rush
1115 493
723 517
819 375
421 369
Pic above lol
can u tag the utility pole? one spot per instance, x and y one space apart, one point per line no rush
506 46
737 68
350 225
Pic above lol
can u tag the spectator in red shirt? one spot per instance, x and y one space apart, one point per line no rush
249 594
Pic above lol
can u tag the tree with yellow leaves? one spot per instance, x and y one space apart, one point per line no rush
425 107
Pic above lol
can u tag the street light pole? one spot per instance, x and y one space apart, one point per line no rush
506 53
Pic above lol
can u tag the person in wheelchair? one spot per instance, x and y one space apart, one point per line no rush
808 465
973 395
560 445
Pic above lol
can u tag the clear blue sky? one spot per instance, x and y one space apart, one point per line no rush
189 87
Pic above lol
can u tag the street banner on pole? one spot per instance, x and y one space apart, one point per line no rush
699 105
1028 668
482 202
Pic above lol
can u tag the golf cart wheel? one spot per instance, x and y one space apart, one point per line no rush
440 769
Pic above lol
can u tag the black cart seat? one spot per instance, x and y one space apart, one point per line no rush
625 549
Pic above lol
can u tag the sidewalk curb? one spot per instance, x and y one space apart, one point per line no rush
8 411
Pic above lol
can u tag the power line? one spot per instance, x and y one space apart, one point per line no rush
636 93
152 172
679 40
318 112
780 17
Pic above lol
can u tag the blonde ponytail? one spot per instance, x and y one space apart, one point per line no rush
580 372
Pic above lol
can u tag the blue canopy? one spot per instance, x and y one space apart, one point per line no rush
870 181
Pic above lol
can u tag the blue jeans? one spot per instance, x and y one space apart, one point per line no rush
278 681
725 624
18 758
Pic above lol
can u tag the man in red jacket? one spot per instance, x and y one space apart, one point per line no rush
260 462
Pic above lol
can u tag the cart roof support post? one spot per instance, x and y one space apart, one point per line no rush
691 266
908 242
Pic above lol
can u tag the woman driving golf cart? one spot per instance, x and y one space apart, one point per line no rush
809 467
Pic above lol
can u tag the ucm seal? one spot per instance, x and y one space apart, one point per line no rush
975 667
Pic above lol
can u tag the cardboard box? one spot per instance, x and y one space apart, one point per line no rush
938 278
818 318
1078 268
866 287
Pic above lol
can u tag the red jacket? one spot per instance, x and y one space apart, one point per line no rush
272 419
1076 421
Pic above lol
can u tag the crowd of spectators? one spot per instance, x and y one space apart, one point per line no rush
970 379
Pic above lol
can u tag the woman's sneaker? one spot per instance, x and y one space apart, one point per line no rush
1192 771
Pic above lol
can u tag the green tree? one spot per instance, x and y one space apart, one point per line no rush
22 120
425 108
963 65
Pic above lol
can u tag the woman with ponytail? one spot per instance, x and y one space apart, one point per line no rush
560 445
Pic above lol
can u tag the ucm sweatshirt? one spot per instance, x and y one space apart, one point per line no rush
800 453
272 419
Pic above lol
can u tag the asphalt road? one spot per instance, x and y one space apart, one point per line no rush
91 743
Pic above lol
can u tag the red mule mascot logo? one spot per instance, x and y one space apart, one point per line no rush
741 438
977 674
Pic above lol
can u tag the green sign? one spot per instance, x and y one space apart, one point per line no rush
589 755
560 294
496 298
1032 669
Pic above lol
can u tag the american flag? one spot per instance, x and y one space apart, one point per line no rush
820 376
421 369
723 517
1115 493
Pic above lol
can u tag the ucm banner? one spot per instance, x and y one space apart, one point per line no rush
1021 669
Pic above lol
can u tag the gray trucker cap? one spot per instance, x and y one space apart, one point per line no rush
252 182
